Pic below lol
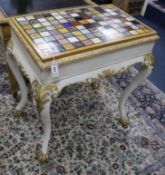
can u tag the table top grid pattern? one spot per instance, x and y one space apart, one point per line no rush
58 33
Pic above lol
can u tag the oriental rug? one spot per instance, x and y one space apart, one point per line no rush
86 138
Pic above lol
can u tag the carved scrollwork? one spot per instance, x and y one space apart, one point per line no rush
10 46
111 72
43 93
149 60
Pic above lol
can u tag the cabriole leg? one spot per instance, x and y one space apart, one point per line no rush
43 97
13 82
146 70
41 153
20 80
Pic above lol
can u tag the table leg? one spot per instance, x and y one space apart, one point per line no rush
13 82
43 97
146 2
147 67
20 80
41 153
3 41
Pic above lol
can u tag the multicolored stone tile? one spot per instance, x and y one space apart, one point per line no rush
96 24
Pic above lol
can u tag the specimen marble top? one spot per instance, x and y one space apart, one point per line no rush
60 33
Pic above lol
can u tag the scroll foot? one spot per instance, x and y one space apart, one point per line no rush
16 113
40 156
124 122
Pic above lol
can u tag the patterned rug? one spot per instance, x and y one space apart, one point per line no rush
86 138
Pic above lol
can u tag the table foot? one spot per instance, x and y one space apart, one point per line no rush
40 156
16 113
123 122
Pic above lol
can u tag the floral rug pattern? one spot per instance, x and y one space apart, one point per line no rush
86 138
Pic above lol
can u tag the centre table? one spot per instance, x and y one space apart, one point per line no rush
59 47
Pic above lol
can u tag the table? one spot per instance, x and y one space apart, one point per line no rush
84 44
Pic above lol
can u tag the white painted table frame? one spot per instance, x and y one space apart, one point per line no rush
108 64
